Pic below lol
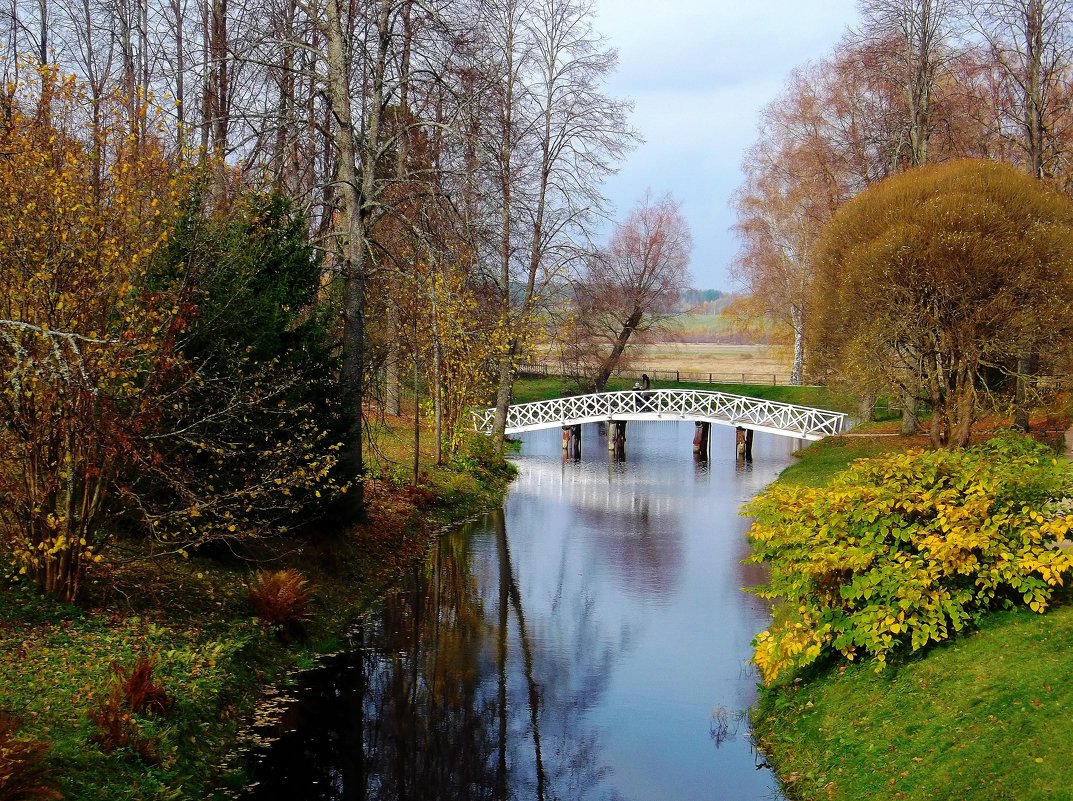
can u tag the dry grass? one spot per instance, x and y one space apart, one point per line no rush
704 357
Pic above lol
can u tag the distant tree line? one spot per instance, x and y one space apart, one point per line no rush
694 297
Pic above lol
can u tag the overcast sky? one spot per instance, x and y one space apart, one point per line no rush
698 72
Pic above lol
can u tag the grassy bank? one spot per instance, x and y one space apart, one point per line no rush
65 672
982 716
821 461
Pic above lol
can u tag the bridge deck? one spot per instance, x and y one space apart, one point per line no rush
774 417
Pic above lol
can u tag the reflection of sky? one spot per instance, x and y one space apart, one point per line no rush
641 562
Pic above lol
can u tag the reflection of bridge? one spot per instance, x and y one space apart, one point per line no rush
773 417
597 491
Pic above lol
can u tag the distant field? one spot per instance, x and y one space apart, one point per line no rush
705 357
724 328
714 345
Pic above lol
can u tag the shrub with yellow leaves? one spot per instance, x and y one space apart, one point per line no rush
904 550
84 344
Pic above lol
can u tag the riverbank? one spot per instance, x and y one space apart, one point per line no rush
979 717
67 673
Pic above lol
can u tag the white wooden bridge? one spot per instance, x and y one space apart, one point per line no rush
698 406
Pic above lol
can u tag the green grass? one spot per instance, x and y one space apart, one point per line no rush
56 666
982 718
821 461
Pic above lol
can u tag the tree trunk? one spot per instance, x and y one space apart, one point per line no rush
866 407
392 356
797 321
1034 89
1021 400
392 393
607 367
505 366
962 398
939 430
349 250
910 418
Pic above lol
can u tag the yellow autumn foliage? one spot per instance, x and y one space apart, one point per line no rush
905 550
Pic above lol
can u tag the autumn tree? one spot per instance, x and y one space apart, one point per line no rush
788 193
930 278
834 129
1030 44
134 386
633 284
85 346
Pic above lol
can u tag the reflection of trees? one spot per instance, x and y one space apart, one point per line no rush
645 548
554 755
460 693
450 696
428 713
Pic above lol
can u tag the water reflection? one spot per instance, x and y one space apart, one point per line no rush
586 642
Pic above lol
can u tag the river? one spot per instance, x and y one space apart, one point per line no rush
588 642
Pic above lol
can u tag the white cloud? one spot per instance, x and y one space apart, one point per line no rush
699 71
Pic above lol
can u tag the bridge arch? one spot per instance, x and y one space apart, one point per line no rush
698 406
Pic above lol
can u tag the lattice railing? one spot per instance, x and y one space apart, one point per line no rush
668 404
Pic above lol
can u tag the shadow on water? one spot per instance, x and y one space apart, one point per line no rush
587 642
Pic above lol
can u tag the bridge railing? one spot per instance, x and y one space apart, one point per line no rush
670 404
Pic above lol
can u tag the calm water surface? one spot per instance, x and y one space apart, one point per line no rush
589 641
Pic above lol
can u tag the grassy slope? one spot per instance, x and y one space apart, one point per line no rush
190 617
983 717
821 460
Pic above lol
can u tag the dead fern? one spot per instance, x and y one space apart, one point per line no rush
22 771
280 599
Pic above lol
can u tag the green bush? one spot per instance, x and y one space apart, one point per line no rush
903 550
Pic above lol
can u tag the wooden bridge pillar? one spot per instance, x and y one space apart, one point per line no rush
744 443
616 439
616 434
701 438
572 442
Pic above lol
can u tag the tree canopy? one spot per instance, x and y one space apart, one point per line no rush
932 278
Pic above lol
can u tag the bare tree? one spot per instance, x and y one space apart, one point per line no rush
556 135
1031 44
634 283
914 35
